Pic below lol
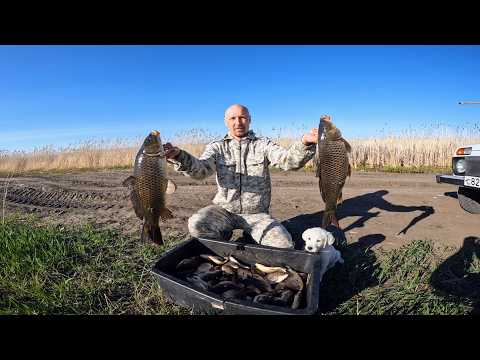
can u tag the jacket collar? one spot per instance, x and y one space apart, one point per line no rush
250 135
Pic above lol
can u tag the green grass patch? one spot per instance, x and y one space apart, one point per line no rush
386 169
47 269
406 169
406 281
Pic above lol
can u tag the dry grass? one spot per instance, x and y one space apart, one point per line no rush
411 150
88 155
421 150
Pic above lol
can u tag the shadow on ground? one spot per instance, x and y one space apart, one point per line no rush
357 273
452 194
357 206
459 275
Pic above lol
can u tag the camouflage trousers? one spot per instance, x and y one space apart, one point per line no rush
214 222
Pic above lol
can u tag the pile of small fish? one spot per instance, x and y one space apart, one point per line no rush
233 280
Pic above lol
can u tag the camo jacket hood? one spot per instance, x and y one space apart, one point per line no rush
242 168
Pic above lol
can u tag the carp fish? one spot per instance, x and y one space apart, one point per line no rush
332 168
148 187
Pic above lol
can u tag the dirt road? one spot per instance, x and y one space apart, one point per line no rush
384 210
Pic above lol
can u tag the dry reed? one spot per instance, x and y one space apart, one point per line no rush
411 149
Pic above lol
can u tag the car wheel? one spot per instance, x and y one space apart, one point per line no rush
469 199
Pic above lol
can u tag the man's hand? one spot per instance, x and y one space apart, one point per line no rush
312 136
171 152
326 118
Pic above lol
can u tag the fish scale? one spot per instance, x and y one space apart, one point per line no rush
151 177
148 187
332 168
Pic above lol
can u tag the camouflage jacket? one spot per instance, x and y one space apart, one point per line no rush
242 168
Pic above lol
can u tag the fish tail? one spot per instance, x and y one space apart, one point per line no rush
166 213
157 235
329 217
152 233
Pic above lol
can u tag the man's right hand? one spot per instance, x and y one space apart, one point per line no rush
327 118
171 152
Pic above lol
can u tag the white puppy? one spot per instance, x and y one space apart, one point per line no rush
320 241
317 239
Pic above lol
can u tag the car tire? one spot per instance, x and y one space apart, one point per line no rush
469 199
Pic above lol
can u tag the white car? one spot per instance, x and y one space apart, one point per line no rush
466 174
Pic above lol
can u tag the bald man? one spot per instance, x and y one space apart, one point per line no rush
241 160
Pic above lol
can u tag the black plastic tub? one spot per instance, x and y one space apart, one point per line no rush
184 294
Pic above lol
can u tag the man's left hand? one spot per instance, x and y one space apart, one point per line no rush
311 137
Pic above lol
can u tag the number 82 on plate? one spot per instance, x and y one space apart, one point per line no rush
472 181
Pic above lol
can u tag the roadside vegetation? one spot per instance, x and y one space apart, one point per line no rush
425 150
48 269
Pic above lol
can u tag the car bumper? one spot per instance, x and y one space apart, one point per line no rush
450 179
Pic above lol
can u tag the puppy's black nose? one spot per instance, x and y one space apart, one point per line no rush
309 248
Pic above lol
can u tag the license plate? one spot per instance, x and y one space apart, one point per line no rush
472 181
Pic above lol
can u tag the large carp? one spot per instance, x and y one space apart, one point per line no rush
149 185
332 168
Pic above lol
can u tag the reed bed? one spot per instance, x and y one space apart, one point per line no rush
412 151
420 149
91 154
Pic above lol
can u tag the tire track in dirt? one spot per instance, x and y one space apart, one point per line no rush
63 198
99 198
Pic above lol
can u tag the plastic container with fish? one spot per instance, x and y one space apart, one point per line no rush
184 294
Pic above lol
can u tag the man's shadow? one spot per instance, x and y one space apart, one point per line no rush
358 271
459 275
357 206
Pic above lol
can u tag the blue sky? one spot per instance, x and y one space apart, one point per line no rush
61 95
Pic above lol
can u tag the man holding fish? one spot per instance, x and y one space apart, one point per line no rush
241 161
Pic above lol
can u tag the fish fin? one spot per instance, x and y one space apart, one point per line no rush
349 171
152 233
317 162
322 193
340 199
317 166
129 182
335 221
348 147
166 213
171 187
137 206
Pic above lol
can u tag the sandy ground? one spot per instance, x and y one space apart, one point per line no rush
383 210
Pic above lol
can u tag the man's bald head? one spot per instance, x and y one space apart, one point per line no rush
237 120
237 109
